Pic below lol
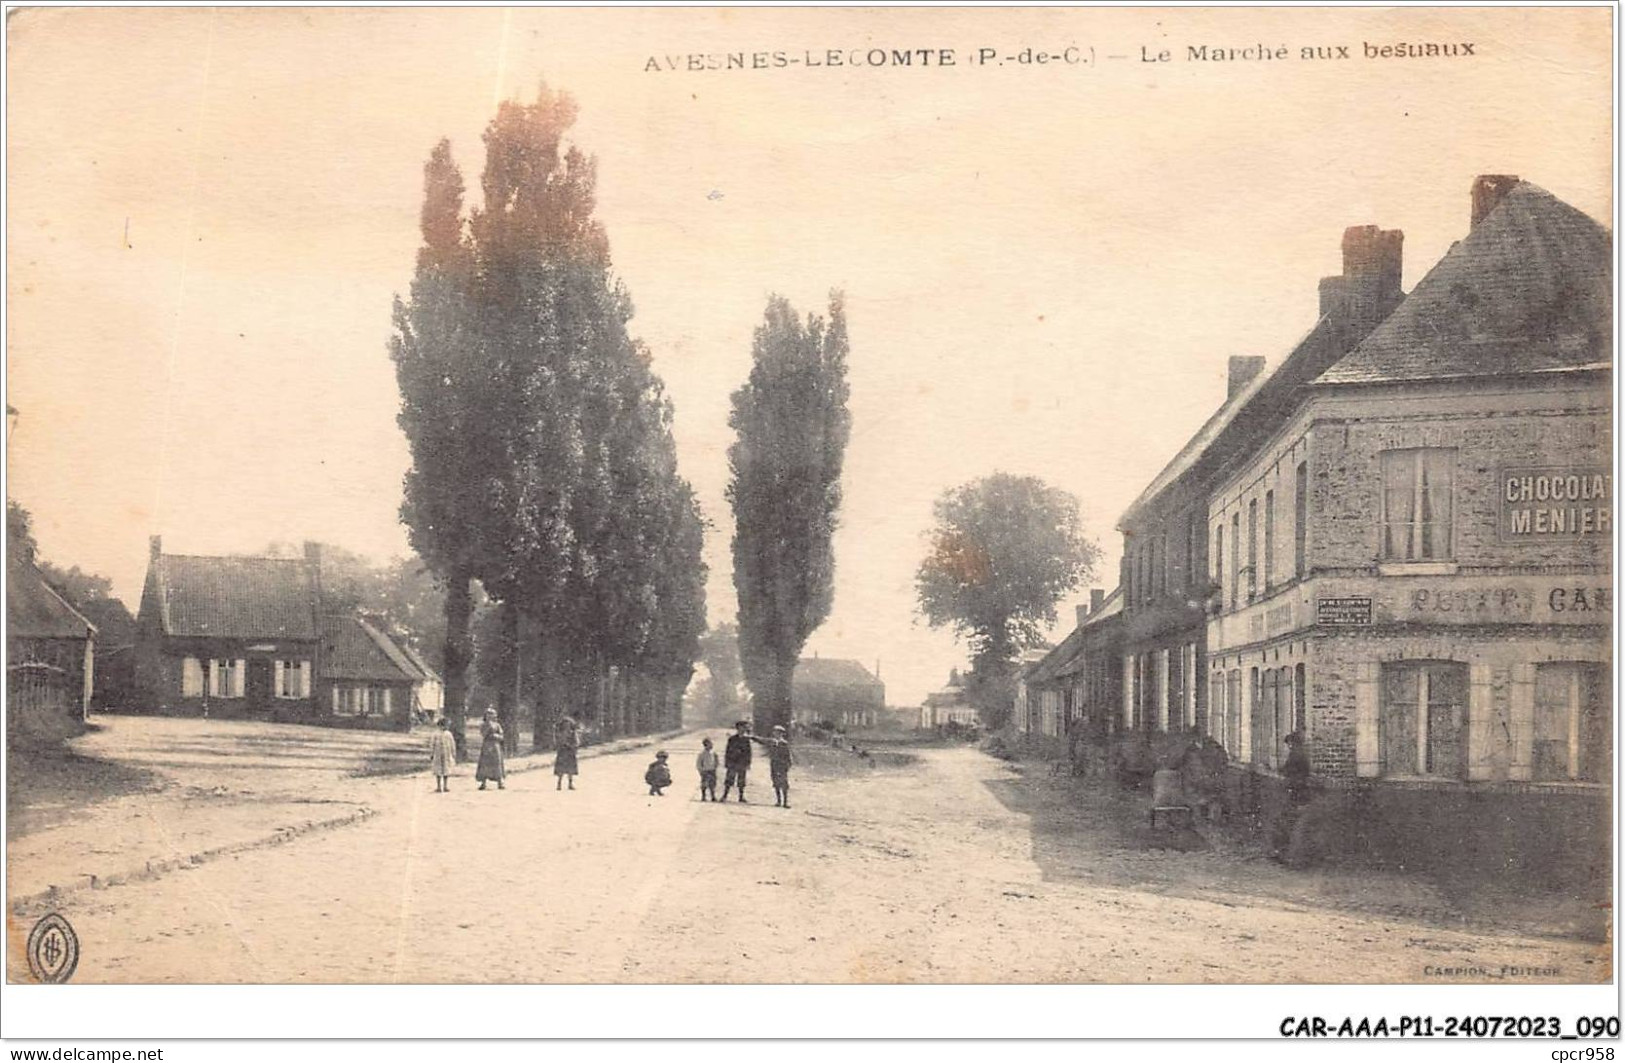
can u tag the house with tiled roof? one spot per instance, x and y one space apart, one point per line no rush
50 657
250 637
836 691
365 674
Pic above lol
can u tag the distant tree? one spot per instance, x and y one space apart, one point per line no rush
20 544
444 386
402 592
719 649
673 646
92 596
1004 550
792 425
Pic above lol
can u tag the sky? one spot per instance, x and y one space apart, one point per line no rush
1046 266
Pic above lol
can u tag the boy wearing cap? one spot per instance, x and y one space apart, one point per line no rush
778 764
736 759
658 776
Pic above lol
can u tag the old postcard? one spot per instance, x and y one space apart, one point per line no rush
767 496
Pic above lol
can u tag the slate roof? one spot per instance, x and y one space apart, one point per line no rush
35 611
831 671
235 597
1527 291
352 648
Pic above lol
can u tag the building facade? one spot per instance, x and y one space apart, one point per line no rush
1432 600
1075 687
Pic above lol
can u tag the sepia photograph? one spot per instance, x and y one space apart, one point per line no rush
812 497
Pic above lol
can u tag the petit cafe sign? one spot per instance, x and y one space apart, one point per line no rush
1556 503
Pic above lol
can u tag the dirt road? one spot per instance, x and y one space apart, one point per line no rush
949 868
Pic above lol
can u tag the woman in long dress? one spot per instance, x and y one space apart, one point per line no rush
566 740
491 768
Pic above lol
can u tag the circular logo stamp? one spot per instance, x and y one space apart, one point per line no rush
53 949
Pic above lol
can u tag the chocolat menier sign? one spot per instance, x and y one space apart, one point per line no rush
1556 503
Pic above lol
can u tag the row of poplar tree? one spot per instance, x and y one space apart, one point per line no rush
544 466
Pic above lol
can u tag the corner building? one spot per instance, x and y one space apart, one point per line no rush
1413 566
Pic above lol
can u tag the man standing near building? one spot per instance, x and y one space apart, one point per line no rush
736 759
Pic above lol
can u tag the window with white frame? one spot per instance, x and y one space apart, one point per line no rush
1422 728
1417 504
1573 723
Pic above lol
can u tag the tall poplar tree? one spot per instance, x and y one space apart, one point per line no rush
569 496
791 424
438 367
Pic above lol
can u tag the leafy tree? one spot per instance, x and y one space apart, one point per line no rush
93 596
443 385
1004 550
20 543
792 426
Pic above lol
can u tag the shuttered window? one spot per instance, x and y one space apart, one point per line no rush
292 679
226 678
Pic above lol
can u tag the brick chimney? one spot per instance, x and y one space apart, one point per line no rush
1488 191
1097 598
1369 289
1373 261
155 546
1083 613
1243 368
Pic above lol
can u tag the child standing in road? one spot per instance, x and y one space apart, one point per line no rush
658 776
778 764
707 765
442 755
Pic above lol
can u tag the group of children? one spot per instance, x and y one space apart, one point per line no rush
736 761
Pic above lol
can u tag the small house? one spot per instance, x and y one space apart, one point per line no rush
50 657
249 637
832 691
